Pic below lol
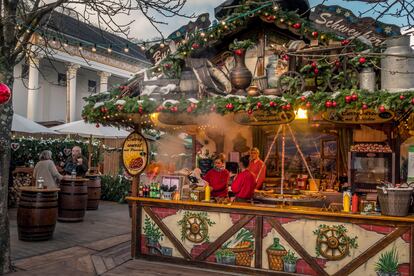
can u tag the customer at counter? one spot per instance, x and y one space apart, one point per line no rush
217 178
257 167
46 169
76 163
245 182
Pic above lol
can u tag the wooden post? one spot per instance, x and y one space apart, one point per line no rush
136 233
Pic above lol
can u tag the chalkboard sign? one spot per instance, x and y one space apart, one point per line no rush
205 165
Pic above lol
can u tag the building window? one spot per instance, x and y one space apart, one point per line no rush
61 79
91 86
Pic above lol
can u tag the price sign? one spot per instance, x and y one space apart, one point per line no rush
135 153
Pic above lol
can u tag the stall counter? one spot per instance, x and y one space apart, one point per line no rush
251 238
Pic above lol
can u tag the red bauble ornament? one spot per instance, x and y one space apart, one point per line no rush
230 106
337 63
354 97
120 107
259 105
328 104
362 60
316 71
297 25
308 105
193 105
303 98
104 109
271 18
381 109
195 46
174 109
140 110
239 52
97 125
348 99
167 66
285 57
272 104
334 104
315 34
314 64
189 109
412 100
288 106
345 42
402 97
250 112
364 106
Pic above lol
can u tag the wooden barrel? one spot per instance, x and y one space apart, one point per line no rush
37 213
94 191
73 199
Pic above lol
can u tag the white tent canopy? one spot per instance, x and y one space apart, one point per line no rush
22 124
85 129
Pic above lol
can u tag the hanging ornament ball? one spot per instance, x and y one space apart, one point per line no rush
250 112
316 71
104 109
229 106
259 105
337 63
189 109
345 42
328 104
5 93
195 46
297 25
272 104
402 97
381 109
362 60
334 104
354 97
314 64
140 110
174 109
308 105
119 107
315 34
167 66
97 125
303 98
288 106
348 99
364 107
238 52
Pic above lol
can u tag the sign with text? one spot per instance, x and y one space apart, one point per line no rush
264 118
341 21
157 53
350 116
135 153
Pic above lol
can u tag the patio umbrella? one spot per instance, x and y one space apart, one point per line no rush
22 124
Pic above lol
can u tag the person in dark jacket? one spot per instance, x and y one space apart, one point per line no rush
76 162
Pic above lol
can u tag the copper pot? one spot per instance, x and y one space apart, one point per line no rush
240 76
253 91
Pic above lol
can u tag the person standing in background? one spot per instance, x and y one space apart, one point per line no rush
76 162
244 184
46 168
257 167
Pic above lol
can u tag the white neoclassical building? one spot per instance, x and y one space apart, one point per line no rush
80 60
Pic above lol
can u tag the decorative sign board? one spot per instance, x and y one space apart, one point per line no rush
157 53
264 118
135 153
338 20
350 116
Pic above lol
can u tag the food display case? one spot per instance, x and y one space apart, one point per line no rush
367 169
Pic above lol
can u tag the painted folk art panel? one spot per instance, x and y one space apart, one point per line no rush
303 246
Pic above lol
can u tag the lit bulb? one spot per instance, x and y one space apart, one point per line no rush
65 44
80 47
223 23
162 45
109 49
202 34
275 7
126 49
143 48
94 48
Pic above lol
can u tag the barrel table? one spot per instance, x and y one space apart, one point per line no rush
37 213
73 199
94 191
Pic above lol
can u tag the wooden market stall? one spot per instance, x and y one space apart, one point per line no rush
309 98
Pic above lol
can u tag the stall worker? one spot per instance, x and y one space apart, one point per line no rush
76 163
257 167
218 178
245 182
46 169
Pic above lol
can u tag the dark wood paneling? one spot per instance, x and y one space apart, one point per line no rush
297 247
223 238
372 251
412 250
167 232
258 242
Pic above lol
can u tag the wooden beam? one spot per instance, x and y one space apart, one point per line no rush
167 232
136 226
297 247
258 241
223 238
372 251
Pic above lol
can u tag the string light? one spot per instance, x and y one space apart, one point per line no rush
109 48
94 48
80 47
126 49
65 44
162 44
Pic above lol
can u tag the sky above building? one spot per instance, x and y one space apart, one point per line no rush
142 29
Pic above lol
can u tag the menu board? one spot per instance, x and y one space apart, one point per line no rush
135 153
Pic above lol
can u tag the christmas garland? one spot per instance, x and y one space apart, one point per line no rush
111 110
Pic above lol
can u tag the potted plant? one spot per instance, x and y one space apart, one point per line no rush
387 265
225 256
289 262
153 235
240 76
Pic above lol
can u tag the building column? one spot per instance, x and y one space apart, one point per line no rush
103 81
33 97
71 92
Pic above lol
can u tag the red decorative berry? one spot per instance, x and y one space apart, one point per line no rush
297 25
402 97
259 105
140 110
189 109
271 18
239 52
328 104
354 97
167 66
345 42
193 105
230 106
314 64
348 99
381 109
288 107
250 112
97 125
362 60
303 98
334 104
285 57
308 105
337 63
119 107
364 107
195 46
316 71
315 34
104 109
174 109
412 100
272 104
